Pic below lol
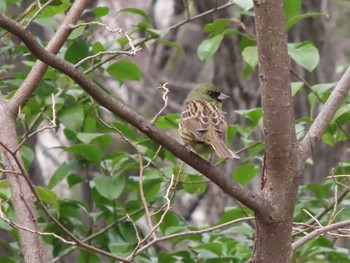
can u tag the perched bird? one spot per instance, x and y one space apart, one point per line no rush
203 126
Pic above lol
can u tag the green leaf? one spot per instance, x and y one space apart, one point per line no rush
342 115
157 32
78 50
100 139
255 115
250 56
322 91
293 20
194 184
62 171
72 117
217 26
47 195
305 54
3 7
74 179
123 70
245 173
296 86
320 190
28 156
245 5
122 249
291 8
100 11
151 189
169 121
88 151
214 247
86 256
136 11
77 32
110 187
208 47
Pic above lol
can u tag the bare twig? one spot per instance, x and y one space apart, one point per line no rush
324 117
142 193
340 198
76 240
195 232
17 226
119 30
319 232
334 213
10 172
230 3
314 218
165 99
41 8
131 52
168 206
72 248
51 126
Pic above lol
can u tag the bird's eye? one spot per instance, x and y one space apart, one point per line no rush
214 95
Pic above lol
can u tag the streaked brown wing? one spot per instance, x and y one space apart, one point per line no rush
195 119
219 123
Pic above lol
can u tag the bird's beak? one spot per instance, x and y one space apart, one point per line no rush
223 96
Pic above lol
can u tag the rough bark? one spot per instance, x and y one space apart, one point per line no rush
26 216
23 199
280 178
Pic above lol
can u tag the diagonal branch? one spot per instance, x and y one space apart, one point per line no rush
319 232
252 200
35 75
325 116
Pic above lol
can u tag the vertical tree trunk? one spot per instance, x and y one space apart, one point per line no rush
280 176
26 216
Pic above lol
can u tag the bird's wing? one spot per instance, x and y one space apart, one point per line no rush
195 119
219 123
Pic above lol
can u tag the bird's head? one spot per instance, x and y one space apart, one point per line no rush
207 92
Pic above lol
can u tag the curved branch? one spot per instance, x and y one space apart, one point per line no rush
28 86
324 117
319 232
242 194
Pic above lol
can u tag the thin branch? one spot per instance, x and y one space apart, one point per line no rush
319 232
142 193
41 8
324 117
329 207
152 232
76 240
253 200
131 52
195 232
314 218
100 232
17 226
213 10
309 87
165 99
51 126
119 30
28 86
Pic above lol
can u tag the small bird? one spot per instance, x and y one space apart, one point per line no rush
202 125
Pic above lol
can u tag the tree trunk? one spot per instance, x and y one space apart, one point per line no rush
280 176
26 216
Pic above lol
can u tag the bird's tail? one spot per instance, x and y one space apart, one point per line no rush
221 150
